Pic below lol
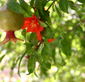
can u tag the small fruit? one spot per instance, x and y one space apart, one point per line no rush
9 23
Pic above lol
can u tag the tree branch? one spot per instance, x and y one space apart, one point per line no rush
37 46
75 27
51 5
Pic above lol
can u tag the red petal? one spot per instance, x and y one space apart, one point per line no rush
50 40
40 28
38 33
39 38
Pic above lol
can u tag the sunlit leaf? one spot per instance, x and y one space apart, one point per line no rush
2 57
58 11
42 23
23 33
15 63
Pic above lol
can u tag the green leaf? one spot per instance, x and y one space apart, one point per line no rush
73 5
42 23
31 3
64 5
48 33
33 39
58 11
20 61
28 45
26 7
66 47
42 59
53 54
15 63
31 64
38 57
47 65
38 4
36 74
82 1
23 33
15 7
2 57
44 2
46 50
28 52
45 16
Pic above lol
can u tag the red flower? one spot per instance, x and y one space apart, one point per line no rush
32 25
10 36
50 40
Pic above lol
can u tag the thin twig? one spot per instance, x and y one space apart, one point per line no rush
37 46
51 5
75 27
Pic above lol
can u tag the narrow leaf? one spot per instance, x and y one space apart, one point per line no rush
2 57
64 5
31 3
20 62
15 63
23 33
42 23
73 5
59 13
31 64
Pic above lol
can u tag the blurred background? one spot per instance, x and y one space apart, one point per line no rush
63 69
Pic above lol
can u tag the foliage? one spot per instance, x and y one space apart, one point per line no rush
62 20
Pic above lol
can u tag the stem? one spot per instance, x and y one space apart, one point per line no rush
51 5
36 47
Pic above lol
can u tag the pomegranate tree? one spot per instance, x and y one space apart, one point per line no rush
9 23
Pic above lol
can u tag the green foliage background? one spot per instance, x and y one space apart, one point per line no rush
63 60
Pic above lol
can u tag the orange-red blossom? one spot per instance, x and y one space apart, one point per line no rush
32 25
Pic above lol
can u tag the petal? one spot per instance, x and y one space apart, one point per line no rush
40 28
10 36
23 27
38 33
39 37
28 29
50 40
